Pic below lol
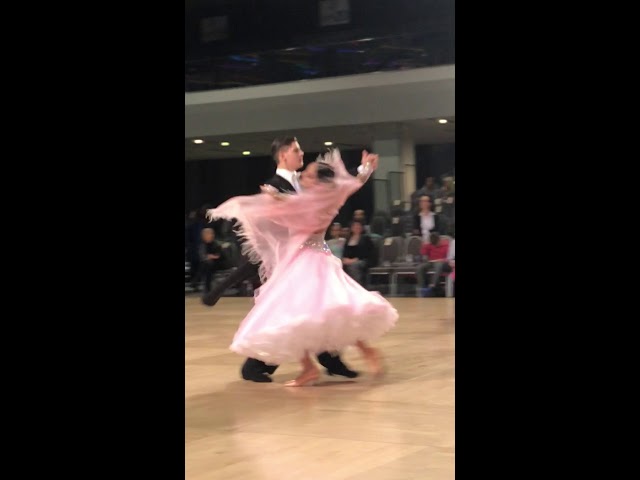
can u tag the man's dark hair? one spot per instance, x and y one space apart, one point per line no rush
280 143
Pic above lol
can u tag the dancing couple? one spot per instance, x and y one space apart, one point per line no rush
306 303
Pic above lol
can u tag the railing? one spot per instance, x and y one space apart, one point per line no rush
389 53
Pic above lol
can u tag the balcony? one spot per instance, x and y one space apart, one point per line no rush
365 55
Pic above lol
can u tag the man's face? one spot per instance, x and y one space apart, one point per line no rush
291 157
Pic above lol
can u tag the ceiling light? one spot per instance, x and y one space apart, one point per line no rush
197 140
443 121
328 144
246 152
225 144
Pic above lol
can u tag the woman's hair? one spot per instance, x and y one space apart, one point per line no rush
325 172
351 224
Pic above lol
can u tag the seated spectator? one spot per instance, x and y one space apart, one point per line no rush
451 257
425 221
359 216
211 257
430 189
434 254
336 242
358 253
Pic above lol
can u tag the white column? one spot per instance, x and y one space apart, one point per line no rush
396 155
389 161
408 161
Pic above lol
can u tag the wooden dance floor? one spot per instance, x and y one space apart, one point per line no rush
397 427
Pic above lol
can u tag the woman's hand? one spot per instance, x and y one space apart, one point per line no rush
369 160
271 191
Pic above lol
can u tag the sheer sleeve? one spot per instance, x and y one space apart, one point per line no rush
275 225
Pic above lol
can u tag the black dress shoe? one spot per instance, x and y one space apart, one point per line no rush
212 297
343 371
257 377
270 369
334 365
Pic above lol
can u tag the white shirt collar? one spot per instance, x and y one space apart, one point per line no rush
287 175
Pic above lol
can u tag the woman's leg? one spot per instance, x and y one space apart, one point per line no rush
309 374
372 357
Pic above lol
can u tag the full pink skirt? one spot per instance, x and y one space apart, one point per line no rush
311 305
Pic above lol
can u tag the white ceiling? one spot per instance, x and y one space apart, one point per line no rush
372 98
351 111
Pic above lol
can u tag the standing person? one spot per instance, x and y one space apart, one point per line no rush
211 256
194 238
